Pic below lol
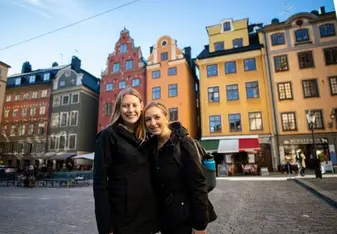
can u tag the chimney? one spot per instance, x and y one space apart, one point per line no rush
26 67
151 49
188 55
76 64
322 10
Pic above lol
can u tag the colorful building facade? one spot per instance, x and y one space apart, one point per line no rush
172 81
302 57
3 80
125 68
234 101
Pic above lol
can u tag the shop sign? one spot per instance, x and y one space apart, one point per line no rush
305 141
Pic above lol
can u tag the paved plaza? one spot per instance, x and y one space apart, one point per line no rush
242 207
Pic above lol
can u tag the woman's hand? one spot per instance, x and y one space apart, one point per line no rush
198 231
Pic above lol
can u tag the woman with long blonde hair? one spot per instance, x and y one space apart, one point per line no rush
124 197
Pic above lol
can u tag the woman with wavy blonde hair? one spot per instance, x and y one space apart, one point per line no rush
124 197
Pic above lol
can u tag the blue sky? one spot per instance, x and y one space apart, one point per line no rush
147 20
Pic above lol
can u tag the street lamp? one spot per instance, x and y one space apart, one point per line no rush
311 117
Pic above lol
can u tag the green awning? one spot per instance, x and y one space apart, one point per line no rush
210 145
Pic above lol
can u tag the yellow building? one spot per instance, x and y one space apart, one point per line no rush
302 55
234 102
170 79
3 81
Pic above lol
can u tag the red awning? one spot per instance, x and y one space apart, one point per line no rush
249 145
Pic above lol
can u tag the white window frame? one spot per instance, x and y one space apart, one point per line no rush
42 110
32 79
8 98
55 139
59 101
62 83
63 96
135 79
46 76
65 142
44 93
61 118
6 113
31 129
71 118
17 97
34 95
72 98
57 116
75 145
22 130
38 128
13 130
32 111
17 81
24 111
15 111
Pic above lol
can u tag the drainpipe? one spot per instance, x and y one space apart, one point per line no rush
273 102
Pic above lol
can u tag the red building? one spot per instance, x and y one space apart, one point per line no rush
125 68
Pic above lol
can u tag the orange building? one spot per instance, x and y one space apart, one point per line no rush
170 79
302 56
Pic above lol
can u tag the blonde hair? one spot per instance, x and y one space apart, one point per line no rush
161 106
116 112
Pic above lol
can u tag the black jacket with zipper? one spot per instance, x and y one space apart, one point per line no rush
181 192
124 196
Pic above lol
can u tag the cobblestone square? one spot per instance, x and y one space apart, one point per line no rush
242 207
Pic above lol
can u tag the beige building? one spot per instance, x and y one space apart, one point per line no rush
3 81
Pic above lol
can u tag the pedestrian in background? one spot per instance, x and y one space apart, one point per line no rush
182 192
124 197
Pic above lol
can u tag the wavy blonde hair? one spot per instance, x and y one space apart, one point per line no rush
161 106
116 112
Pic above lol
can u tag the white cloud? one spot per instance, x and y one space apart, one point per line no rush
32 9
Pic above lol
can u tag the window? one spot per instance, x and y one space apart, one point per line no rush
20 148
42 110
284 91
32 111
333 85
252 89
310 88
62 83
230 67
46 76
237 42
17 81
44 93
64 119
172 71
52 143
22 129
249 64
155 74
136 82
164 56
62 142
73 118
281 63
255 121
122 84
8 98
15 112
219 46
56 100
25 96
319 123
173 114
55 120
277 39
75 98
129 64
0 72
327 30
214 123
107 109
213 94
65 99
234 122
109 87
330 55
4 130
17 97
31 129
288 121
116 67
212 70
124 48
24 111
226 26
302 35
173 90
305 59
6 113
156 93
40 129
32 79
34 95
13 130
72 141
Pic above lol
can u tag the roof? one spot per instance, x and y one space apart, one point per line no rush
4 65
43 70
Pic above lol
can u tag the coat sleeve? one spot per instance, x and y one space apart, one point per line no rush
103 149
196 183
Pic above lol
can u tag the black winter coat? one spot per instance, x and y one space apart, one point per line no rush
181 191
124 196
